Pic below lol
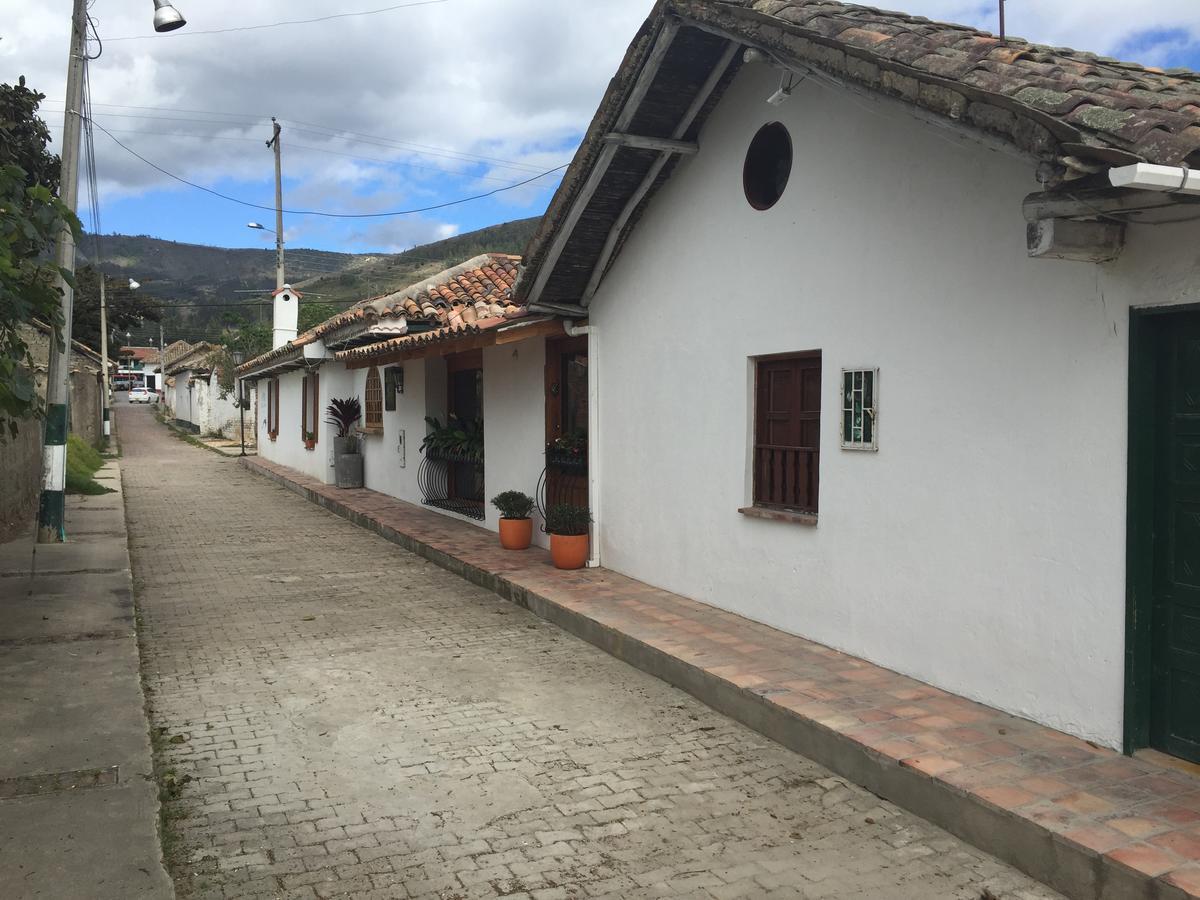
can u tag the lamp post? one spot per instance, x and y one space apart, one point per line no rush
238 358
279 279
52 506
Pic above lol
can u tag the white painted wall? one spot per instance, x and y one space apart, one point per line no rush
288 448
982 548
386 469
222 411
514 424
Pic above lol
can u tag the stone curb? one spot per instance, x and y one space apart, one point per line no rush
1067 866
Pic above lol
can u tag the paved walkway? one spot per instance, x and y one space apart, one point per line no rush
358 722
78 807
1084 819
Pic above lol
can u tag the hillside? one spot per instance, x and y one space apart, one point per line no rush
369 276
200 285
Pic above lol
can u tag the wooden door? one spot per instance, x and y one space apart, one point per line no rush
566 423
1175 679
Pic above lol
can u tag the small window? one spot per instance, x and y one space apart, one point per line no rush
787 431
373 420
860 395
310 410
768 166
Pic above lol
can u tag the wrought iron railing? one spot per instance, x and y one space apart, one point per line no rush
452 481
563 480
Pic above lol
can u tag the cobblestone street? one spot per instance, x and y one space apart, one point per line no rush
340 717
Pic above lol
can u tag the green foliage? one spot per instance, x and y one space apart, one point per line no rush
24 137
455 438
251 338
31 219
513 504
313 314
575 442
82 463
568 519
126 308
344 415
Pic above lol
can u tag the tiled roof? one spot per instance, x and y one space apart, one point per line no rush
1072 114
291 348
477 289
147 355
198 357
1079 98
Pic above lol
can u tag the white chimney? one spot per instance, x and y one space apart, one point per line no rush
287 315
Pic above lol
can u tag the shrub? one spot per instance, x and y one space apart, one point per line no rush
567 519
82 463
513 504
343 415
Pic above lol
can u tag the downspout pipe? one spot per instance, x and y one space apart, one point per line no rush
591 333
1148 177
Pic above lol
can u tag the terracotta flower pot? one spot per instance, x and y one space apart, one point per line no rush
569 551
516 534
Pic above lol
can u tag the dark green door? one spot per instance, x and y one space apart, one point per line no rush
1175 691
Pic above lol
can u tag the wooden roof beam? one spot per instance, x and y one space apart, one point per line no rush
689 116
641 142
666 36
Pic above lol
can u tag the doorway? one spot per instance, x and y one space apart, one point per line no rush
565 479
1163 675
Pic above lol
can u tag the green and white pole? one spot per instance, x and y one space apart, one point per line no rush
105 412
52 509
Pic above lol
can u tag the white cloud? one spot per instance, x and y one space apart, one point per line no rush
513 80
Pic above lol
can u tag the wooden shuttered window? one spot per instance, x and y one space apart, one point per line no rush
273 408
310 407
373 418
787 432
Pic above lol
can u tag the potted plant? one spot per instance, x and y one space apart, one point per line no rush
516 528
347 460
344 415
568 527
310 440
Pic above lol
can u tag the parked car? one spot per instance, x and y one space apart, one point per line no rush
140 395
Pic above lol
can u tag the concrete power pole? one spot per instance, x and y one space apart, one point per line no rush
275 142
52 508
104 410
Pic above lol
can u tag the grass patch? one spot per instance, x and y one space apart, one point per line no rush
83 462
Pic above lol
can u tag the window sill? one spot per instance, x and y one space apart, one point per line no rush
369 432
780 515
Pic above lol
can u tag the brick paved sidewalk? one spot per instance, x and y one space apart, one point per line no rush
359 722
1085 819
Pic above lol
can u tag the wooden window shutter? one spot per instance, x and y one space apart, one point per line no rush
374 402
316 404
787 432
304 408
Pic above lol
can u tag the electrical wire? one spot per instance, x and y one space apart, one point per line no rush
350 15
329 215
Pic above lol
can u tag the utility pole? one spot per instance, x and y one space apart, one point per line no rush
1001 19
105 412
275 142
52 508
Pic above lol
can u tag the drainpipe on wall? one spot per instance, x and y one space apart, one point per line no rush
573 330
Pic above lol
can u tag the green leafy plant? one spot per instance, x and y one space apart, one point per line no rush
568 519
455 438
343 415
574 442
513 504
310 436
31 220
83 461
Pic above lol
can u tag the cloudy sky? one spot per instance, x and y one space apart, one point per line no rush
401 109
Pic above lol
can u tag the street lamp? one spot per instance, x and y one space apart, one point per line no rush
167 17
52 508
238 358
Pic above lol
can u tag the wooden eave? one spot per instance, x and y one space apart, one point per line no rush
518 330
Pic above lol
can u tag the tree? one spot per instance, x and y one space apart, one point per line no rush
126 309
313 314
31 220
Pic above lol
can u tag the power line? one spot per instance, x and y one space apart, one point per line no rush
194 33
329 215
325 131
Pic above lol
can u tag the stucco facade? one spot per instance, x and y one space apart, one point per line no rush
513 413
982 548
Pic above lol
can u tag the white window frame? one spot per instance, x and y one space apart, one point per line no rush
848 441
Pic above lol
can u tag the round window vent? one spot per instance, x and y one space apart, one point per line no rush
768 165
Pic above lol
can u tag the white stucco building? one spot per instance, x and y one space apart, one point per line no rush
452 344
742 229
195 396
